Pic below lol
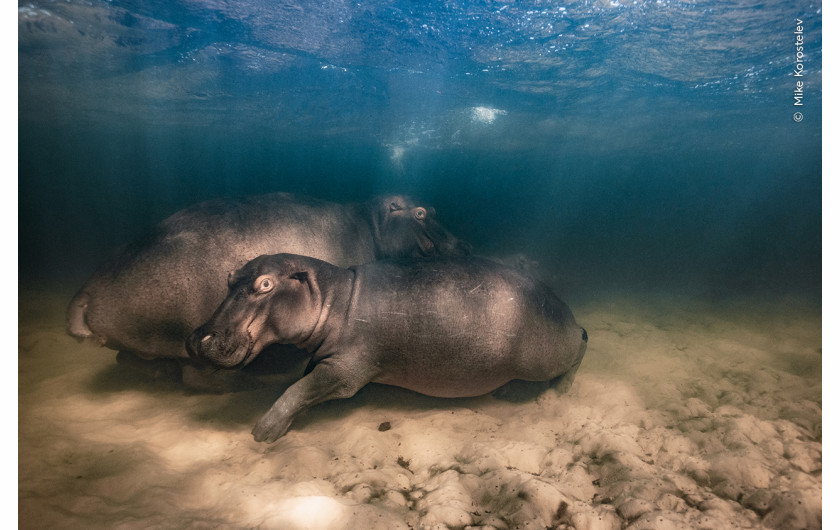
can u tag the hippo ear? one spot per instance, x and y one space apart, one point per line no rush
301 276
395 203
304 281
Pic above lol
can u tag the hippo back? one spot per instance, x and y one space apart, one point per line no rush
151 294
462 326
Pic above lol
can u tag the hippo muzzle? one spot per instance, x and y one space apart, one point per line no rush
225 348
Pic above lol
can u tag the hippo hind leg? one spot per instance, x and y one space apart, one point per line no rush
518 391
563 382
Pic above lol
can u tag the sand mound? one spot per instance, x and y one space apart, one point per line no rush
683 416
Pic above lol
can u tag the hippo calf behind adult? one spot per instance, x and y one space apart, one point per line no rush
149 297
443 327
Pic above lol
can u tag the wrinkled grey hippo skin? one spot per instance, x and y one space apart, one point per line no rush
446 327
149 297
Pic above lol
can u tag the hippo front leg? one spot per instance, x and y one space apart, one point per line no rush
326 381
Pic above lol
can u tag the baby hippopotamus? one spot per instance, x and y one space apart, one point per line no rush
451 327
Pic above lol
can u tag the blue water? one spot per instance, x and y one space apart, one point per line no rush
620 144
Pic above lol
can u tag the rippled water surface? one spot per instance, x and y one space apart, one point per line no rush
659 133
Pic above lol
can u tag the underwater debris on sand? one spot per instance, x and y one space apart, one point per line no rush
403 463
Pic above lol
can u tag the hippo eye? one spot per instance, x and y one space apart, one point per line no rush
263 284
420 214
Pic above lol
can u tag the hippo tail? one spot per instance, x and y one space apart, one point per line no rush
76 324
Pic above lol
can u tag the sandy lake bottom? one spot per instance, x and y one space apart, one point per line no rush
685 414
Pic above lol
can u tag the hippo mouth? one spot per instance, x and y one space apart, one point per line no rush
228 347
427 246
225 359
244 352
248 349
229 354
434 240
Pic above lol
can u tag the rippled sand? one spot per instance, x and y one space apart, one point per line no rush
684 414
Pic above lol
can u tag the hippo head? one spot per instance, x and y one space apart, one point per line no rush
403 228
271 299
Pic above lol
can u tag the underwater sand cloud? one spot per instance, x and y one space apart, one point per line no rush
682 415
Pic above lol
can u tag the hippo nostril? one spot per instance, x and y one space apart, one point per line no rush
585 337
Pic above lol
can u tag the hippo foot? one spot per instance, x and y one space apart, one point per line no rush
563 383
271 427
519 391
159 370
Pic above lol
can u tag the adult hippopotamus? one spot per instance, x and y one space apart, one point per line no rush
453 327
149 297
